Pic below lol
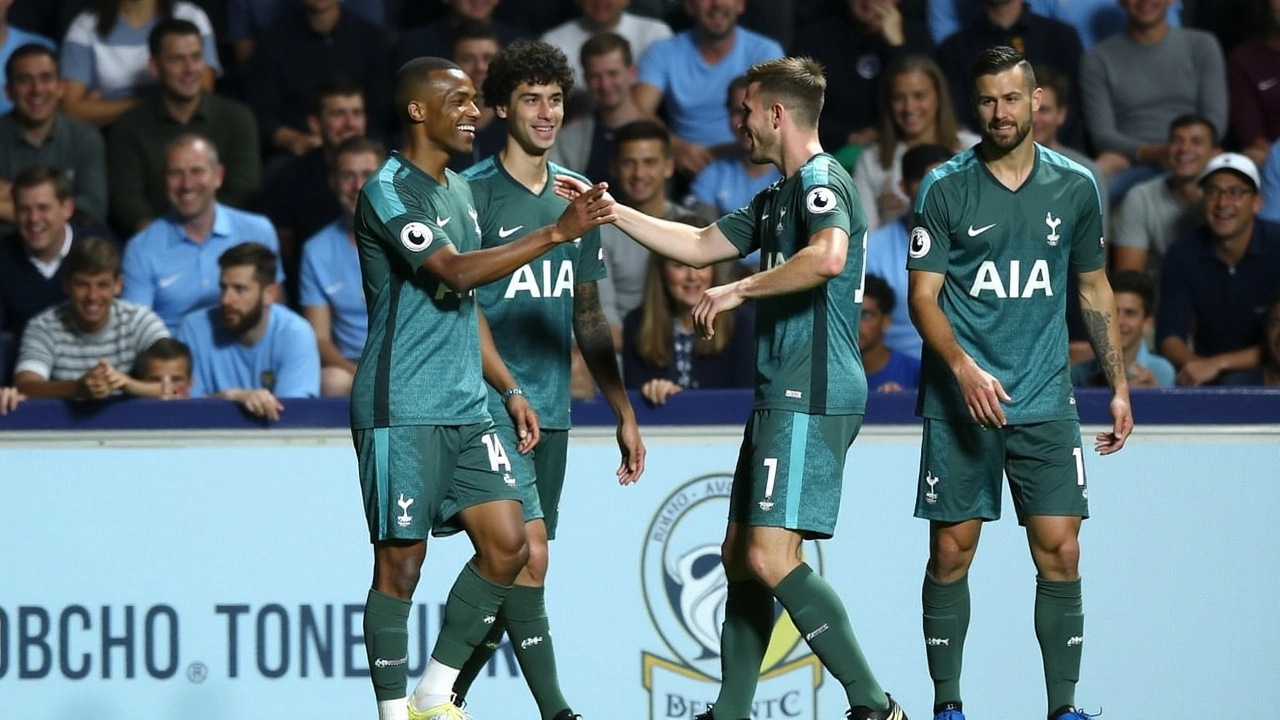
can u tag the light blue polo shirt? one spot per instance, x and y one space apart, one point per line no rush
285 361
693 91
16 39
1271 185
174 275
330 276
726 186
887 257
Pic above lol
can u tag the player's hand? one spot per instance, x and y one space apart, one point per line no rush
657 391
9 399
690 158
982 394
1122 425
525 418
889 387
261 403
721 298
590 209
570 187
1200 371
1141 376
632 447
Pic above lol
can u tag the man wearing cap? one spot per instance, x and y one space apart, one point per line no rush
1218 279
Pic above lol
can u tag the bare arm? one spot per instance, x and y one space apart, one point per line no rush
321 319
6 201
1130 258
463 272
1196 370
698 247
1098 306
982 392
499 377
647 98
34 386
595 340
88 106
822 259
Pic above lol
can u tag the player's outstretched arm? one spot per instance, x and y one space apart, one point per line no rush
1098 307
982 392
595 340
499 377
697 247
463 272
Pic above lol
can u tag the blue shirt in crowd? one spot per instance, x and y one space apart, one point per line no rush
1271 185
285 361
175 275
1094 20
887 258
16 39
693 91
726 186
330 277
901 369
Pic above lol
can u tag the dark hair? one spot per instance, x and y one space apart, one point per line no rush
877 288
1055 81
26 51
36 175
253 254
947 128
472 30
603 44
166 349
167 27
412 77
917 161
642 130
91 256
655 334
359 144
796 82
736 84
1000 58
525 61
1138 283
1189 119
336 86
108 12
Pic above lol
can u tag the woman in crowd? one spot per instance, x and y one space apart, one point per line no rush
105 56
919 111
662 355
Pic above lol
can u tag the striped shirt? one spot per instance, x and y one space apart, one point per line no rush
56 350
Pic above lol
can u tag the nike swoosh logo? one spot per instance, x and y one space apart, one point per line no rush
167 281
333 288
976 232
505 233
1266 85
443 222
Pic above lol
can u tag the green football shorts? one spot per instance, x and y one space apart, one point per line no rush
417 478
962 465
539 474
791 470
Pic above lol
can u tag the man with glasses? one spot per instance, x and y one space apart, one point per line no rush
1217 280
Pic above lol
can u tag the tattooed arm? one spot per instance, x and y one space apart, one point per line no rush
1098 306
595 340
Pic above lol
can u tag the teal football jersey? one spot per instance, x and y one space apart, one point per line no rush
531 310
1005 255
421 361
807 357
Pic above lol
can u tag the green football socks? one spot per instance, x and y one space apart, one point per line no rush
821 619
386 643
480 657
744 639
946 621
469 615
525 616
1060 629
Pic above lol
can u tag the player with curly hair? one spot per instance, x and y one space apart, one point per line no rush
536 314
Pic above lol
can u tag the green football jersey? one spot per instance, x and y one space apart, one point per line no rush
421 362
1005 255
530 311
807 357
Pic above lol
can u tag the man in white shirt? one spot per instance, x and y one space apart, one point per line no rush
604 16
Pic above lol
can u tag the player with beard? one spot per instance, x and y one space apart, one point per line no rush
997 229
249 349
430 461
535 314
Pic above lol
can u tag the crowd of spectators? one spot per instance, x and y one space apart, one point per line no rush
178 177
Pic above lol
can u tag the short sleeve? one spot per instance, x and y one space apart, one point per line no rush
1088 245
406 229
196 16
138 287
297 361
829 204
739 227
37 352
590 258
310 292
653 66
149 329
75 61
929 246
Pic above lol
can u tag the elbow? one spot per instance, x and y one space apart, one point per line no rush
831 266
